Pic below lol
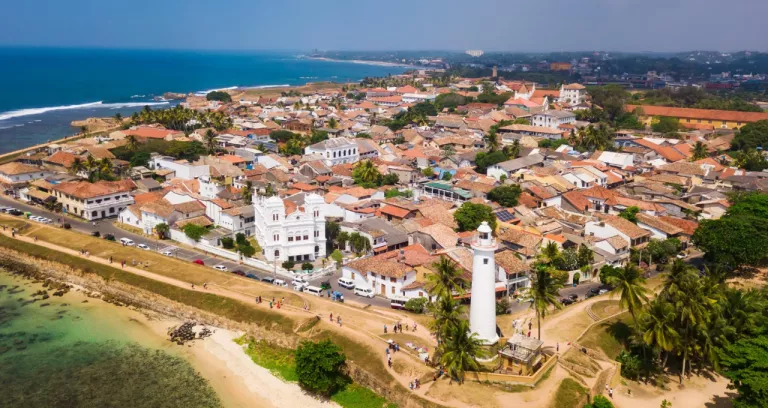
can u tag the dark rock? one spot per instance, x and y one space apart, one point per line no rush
44 304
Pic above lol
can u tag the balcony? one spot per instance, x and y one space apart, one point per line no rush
486 243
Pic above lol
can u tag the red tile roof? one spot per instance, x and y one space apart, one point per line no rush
706 114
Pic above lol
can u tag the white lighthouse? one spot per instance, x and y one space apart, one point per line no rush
482 311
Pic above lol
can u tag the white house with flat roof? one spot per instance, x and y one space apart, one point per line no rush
338 150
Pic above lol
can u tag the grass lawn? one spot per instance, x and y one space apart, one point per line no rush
357 396
569 394
157 263
609 335
226 307
278 360
605 308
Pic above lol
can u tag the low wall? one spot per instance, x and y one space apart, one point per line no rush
530 381
264 266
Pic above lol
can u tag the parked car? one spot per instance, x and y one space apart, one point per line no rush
346 283
96 234
298 288
168 253
574 297
681 255
252 276
221 267
299 281
198 261
590 294
566 301
109 237
268 279
15 212
602 291
143 246
239 272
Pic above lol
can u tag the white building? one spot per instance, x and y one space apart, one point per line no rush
482 311
386 276
15 175
418 97
573 94
339 150
183 169
552 118
287 232
94 201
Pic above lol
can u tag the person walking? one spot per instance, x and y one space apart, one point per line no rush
338 319
610 392
205 285
331 317
385 329
386 351
557 347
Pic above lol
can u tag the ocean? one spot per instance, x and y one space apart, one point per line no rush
72 351
42 90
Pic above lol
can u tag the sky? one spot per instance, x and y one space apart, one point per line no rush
491 25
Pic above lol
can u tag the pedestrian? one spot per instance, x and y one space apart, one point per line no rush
529 333
406 326
394 328
389 362
610 392
122 264
386 351
259 298
385 329
110 259
557 347
205 285
270 305
414 326
530 324
397 347
331 317
338 319
193 286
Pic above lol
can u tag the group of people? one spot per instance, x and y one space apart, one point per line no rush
338 320
415 384
85 253
398 327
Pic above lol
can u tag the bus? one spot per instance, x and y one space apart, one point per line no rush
398 302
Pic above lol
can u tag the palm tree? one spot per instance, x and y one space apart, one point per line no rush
447 279
91 164
366 171
629 284
359 243
77 166
333 123
447 151
544 290
84 130
162 230
460 351
491 140
657 326
549 252
210 141
132 143
342 239
512 151
105 167
447 314
248 192
118 118
699 151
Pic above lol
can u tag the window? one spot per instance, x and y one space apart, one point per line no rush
421 294
276 237
317 213
485 261
317 234
306 237
275 217
393 290
290 239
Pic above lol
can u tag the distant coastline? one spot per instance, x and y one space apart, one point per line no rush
367 62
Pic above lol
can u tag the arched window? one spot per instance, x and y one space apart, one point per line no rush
277 253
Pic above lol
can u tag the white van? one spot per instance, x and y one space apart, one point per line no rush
365 292
127 242
280 282
346 283
299 281
314 290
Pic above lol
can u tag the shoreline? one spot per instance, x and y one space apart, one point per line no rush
367 62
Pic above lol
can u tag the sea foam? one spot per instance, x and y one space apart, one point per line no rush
99 104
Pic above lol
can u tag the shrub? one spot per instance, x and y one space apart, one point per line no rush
307 266
109 237
227 243
240 239
337 256
630 365
194 232
67 226
576 277
288 265
247 250
502 307
319 365
416 305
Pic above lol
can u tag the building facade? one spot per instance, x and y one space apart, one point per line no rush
287 232
339 150
94 201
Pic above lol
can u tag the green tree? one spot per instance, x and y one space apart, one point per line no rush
227 243
751 160
470 215
630 214
390 179
512 151
484 160
319 367
657 326
416 305
744 363
628 282
132 143
210 141
734 240
544 290
447 176
599 402
162 230
665 124
318 136
359 243
586 256
282 136
428 172
447 314
333 123
248 192
447 278
751 136
246 250
699 151
77 166
460 350
221 96
506 195
194 231
366 174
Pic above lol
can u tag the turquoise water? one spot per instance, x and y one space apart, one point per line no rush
62 352
43 89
